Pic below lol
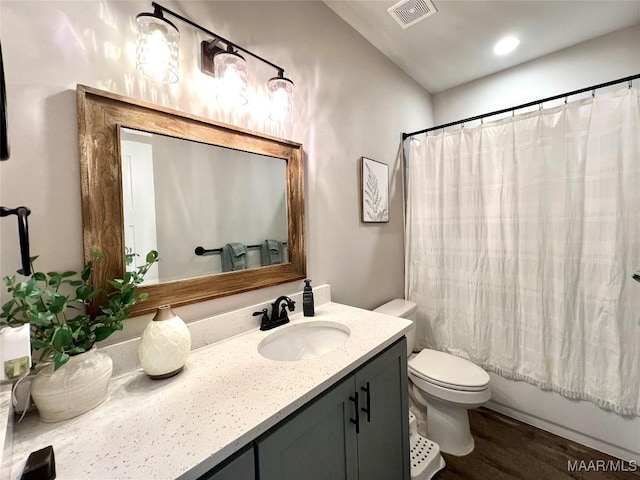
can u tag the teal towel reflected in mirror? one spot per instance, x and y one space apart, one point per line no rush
272 252
234 257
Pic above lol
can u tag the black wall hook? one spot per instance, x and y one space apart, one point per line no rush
23 233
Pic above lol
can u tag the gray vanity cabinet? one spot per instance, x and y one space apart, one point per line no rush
383 442
240 466
317 443
327 440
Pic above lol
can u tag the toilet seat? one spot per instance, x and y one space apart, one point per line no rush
451 386
448 371
423 390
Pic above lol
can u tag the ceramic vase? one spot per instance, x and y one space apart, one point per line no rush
75 388
165 345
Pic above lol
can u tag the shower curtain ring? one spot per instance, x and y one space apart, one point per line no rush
565 100
630 83
540 106
593 93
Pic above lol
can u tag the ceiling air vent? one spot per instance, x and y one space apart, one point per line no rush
410 12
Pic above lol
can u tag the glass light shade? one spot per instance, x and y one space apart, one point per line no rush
157 52
281 101
231 71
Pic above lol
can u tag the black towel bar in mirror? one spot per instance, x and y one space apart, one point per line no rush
200 251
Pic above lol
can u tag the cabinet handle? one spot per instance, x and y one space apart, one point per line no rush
357 410
367 410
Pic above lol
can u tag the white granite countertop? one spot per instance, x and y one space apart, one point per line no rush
227 396
6 430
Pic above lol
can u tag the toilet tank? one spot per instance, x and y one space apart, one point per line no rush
403 309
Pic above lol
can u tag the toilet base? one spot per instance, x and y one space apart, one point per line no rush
448 426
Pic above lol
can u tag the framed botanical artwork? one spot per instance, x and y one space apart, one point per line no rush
374 191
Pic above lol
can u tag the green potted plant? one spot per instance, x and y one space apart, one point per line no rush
64 331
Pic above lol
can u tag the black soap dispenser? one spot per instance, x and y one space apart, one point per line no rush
307 300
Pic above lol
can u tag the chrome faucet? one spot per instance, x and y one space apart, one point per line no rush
279 315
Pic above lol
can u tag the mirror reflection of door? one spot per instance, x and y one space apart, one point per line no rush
139 206
180 194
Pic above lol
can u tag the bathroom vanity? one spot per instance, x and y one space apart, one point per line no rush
233 412
340 434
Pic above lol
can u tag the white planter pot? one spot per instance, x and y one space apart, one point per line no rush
78 386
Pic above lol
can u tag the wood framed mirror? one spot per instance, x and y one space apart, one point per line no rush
104 120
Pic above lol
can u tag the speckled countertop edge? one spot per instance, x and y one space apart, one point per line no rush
227 395
6 430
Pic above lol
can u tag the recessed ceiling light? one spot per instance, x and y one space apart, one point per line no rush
506 45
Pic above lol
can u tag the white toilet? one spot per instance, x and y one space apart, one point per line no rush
444 385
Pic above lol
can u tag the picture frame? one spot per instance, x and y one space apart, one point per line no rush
374 191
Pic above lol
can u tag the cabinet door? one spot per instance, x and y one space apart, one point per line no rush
383 442
241 466
318 443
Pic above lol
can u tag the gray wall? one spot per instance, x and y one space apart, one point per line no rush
351 101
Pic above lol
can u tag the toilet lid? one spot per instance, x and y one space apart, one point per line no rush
448 371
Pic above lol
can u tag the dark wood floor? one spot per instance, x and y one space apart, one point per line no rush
507 449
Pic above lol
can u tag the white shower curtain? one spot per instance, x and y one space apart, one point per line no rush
522 238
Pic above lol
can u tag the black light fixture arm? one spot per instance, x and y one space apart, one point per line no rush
217 38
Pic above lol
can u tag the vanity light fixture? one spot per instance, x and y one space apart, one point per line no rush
219 57
231 70
158 42
281 98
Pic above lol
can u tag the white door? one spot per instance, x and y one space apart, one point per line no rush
139 205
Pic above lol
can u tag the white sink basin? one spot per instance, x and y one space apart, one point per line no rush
300 341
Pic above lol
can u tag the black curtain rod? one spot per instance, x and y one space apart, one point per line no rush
593 88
